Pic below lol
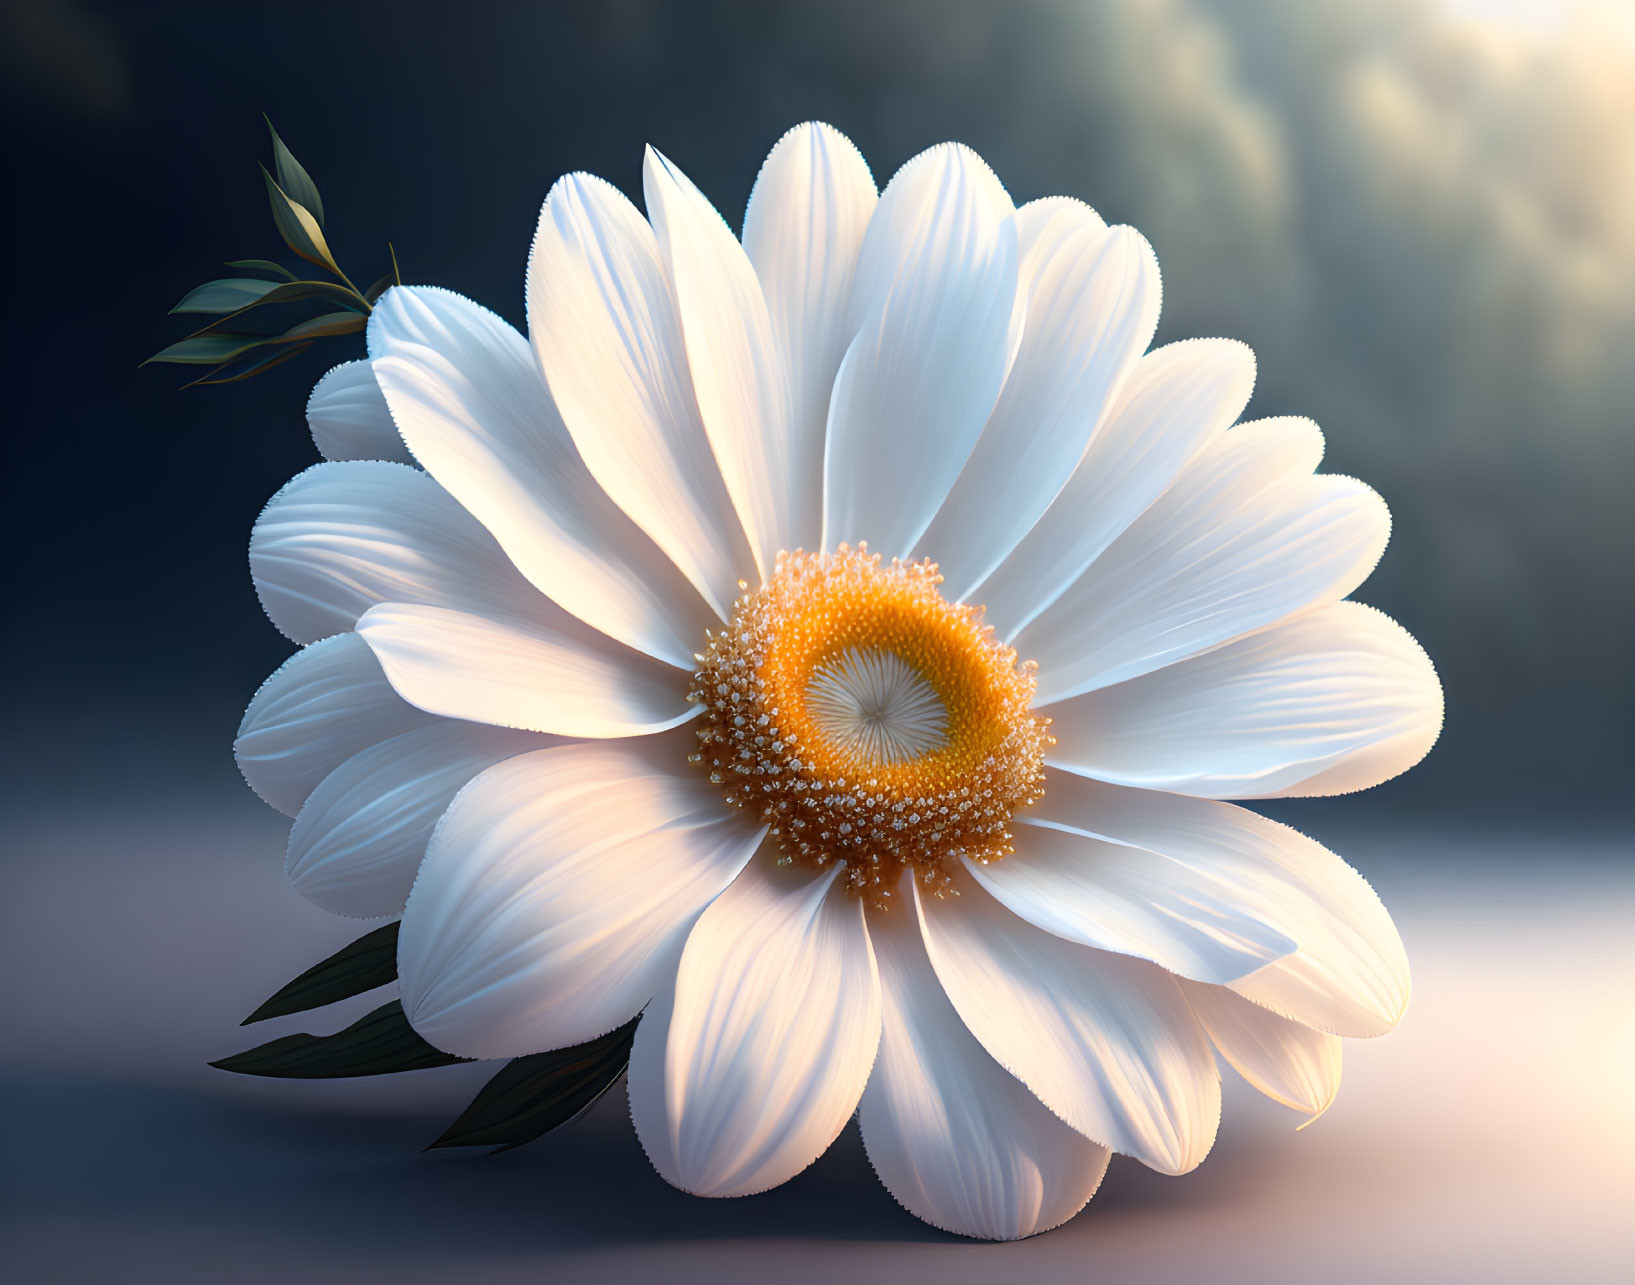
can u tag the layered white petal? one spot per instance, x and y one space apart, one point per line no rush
357 843
1349 975
803 231
1173 402
385 549
556 892
342 537
1288 1062
470 400
1044 225
1105 1041
602 318
737 368
326 703
935 317
957 1139
348 417
545 671
1092 306
1133 901
749 1065
1335 699
1240 541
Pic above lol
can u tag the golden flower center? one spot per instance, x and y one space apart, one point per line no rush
869 721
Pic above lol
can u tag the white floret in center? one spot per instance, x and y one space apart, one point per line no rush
875 703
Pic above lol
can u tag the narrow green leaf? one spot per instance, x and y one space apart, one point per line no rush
297 226
368 962
233 371
292 292
331 323
293 178
381 287
262 265
207 350
530 1096
228 294
380 1044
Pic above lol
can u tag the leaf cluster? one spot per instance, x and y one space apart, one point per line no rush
226 344
525 1100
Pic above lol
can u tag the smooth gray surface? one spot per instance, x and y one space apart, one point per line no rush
1489 1139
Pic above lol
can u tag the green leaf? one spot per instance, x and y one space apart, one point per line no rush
297 226
368 962
262 265
228 294
331 323
381 287
291 292
233 371
293 178
380 1044
532 1095
207 350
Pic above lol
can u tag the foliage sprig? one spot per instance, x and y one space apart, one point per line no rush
234 353
526 1098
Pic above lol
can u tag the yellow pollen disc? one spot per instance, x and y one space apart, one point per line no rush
869 721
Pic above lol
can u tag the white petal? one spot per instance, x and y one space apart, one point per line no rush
603 323
737 369
1335 699
1105 1041
1044 225
1240 541
1092 306
323 705
471 402
342 537
1350 973
547 672
957 1139
384 548
1286 1061
357 842
1171 405
348 418
556 892
1130 900
935 315
749 1065
803 231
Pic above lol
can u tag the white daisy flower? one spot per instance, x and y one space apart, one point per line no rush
834 645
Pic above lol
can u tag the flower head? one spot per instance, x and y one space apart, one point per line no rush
870 723
835 645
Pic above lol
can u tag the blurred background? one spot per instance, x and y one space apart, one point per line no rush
1420 213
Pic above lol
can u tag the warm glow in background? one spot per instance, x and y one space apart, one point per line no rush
1421 214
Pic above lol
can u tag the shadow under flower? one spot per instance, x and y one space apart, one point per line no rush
89 1152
